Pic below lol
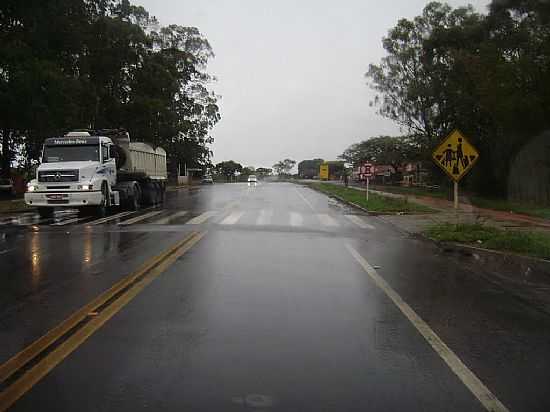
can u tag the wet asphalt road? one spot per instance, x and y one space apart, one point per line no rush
268 312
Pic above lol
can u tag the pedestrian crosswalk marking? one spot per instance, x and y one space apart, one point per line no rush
168 218
296 219
326 220
109 218
232 218
265 217
202 218
70 221
360 222
140 218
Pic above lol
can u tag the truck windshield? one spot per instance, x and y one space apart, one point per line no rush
71 153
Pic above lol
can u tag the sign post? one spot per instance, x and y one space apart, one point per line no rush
368 169
456 156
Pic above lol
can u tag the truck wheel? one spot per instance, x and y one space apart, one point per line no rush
45 212
158 194
133 201
101 209
162 193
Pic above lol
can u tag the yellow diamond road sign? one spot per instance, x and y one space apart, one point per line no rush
455 155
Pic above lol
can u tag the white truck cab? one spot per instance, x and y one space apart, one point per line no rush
79 170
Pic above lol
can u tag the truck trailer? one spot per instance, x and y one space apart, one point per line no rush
93 171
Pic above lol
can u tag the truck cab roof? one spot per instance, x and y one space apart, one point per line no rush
76 138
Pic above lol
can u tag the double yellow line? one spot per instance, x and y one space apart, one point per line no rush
20 373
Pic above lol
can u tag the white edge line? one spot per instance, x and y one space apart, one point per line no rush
468 378
304 199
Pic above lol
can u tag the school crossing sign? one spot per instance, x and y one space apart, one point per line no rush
455 155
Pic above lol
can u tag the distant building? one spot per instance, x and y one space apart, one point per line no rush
414 174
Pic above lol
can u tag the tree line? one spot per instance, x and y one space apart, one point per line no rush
486 74
96 64
229 169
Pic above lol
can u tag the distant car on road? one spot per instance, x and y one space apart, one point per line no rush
252 180
207 180
7 187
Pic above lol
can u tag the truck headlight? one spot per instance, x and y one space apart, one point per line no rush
85 187
31 188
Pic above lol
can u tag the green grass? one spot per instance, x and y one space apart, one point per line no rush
529 209
8 205
529 243
376 203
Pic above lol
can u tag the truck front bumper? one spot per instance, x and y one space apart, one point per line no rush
68 199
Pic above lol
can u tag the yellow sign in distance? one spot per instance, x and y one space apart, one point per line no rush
455 155
323 171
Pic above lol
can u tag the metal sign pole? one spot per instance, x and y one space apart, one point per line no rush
368 188
456 195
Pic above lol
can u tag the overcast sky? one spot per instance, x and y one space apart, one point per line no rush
291 72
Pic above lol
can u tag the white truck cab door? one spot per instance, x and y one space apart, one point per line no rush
109 163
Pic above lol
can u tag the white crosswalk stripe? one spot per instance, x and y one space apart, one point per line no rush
265 217
70 221
202 218
296 219
360 222
109 218
232 218
140 218
168 218
326 220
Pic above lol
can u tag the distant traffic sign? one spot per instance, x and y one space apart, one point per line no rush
455 155
367 170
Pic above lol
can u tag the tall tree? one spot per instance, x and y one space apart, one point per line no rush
284 166
103 63
228 168
383 150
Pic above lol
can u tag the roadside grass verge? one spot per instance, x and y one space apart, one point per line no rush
529 243
13 205
529 209
376 203
526 208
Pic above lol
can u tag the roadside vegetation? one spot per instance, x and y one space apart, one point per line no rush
376 203
529 243
107 63
529 209
483 73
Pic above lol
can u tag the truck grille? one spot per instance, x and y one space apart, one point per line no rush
58 176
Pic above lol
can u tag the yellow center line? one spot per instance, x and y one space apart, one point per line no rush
142 277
